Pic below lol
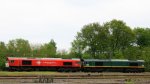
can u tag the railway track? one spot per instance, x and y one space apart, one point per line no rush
86 76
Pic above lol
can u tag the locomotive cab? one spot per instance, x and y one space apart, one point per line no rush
7 64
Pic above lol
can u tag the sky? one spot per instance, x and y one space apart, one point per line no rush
39 21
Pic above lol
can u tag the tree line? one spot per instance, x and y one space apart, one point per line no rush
110 40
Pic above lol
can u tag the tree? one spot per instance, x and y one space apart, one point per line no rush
104 41
93 39
35 50
132 53
142 36
3 53
121 36
19 47
48 49
78 46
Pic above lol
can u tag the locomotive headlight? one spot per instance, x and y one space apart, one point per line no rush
6 65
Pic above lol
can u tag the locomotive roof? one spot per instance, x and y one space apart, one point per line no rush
40 58
114 60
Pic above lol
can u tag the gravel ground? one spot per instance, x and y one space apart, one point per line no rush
79 81
118 80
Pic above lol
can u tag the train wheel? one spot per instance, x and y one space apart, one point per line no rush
66 70
60 70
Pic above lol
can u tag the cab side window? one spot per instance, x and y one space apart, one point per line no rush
133 64
12 61
67 63
26 62
98 63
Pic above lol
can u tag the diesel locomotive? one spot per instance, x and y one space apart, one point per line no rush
73 65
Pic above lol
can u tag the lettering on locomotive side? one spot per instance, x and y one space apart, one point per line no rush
38 62
49 62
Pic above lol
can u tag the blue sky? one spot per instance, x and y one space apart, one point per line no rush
41 20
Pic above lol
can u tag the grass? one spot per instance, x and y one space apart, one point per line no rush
129 81
6 73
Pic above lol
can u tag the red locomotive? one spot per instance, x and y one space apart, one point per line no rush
55 64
